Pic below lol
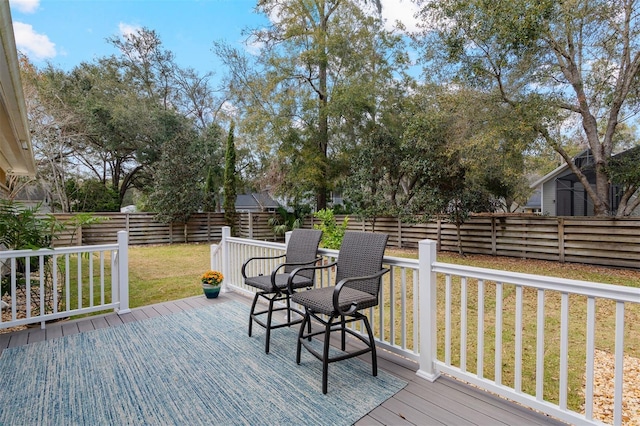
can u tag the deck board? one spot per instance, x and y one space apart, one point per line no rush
99 322
415 407
368 421
70 328
85 326
445 401
4 341
37 335
113 320
139 314
385 416
19 338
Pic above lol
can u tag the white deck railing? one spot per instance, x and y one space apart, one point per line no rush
509 333
50 284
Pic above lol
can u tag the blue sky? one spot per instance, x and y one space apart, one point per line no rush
67 32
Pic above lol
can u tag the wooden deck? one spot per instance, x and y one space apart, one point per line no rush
446 401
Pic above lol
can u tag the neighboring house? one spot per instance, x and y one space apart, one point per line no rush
534 204
256 202
562 194
16 153
34 196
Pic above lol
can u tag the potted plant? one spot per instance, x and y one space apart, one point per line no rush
211 283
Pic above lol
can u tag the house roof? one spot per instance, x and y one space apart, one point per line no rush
535 201
586 154
554 173
255 201
16 153
549 175
265 200
246 201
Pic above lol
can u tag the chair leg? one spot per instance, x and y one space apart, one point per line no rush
253 308
325 356
343 332
288 309
372 345
301 335
268 327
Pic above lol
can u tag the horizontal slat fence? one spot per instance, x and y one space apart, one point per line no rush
144 229
256 226
589 240
597 241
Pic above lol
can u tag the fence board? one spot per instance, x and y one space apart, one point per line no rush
598 241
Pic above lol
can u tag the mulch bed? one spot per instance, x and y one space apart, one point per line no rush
604 388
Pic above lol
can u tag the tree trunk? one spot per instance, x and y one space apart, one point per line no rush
323 119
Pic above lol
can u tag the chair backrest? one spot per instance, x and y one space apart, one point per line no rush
302 247
361 254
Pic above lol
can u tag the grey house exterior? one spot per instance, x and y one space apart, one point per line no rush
562 194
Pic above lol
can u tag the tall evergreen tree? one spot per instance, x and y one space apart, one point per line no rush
230 179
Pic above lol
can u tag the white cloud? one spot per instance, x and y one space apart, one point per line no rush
25 6
126 30
253 47
400 10
34 45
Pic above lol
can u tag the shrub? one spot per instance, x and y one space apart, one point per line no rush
332 233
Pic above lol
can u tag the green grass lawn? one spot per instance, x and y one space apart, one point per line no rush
167 272
156 274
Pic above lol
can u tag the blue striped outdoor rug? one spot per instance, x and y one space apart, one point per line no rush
193 367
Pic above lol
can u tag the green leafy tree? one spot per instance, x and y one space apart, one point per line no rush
317 75
288 220
230 180
332 232
624 171
91 195
553 64
175 195
52 146
107 120
424 146
209 192
113 133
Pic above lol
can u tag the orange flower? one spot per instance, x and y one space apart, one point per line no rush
212 277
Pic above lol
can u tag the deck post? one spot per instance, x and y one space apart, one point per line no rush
226 269
427 314
123 273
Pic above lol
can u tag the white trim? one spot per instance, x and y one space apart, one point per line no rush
16 152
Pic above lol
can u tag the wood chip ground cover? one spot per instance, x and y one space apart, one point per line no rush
603 389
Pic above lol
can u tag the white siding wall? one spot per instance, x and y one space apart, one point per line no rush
548 206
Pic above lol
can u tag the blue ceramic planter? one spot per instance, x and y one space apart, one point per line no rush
211 291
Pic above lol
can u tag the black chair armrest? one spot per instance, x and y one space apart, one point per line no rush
338 289
306 268
274 287
244 265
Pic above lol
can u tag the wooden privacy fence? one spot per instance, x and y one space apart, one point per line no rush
144 229
597 241
589 240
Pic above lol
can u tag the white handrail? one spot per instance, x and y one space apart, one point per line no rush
409 325
48 292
